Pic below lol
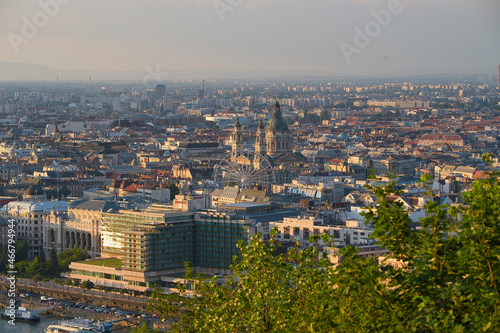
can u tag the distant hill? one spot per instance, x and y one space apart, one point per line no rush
10 71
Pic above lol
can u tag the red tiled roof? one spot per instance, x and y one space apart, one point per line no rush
480 175
133 188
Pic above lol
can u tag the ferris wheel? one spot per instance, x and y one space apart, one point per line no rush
246 169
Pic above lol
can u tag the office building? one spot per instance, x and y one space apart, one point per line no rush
160 91
142 249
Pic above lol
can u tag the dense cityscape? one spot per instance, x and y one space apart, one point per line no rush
249 166
144 179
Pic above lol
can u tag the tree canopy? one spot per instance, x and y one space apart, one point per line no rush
447 279
53 266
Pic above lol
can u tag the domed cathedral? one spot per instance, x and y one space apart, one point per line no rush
274 143
278 138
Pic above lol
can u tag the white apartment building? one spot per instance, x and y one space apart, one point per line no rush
300 228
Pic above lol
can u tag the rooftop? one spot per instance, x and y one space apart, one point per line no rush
110 262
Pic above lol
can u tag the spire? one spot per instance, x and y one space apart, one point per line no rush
277 110
261 125
237 124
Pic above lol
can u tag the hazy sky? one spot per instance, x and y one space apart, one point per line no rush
424 36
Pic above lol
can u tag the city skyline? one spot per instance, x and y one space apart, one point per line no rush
221 37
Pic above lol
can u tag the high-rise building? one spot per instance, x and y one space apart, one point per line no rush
149 248
160 91
168 103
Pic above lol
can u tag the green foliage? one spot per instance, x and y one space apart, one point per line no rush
144 329
88 284
53 263
3 258
267 293
39 269
34 268
22 250
66 257
174 190
447 278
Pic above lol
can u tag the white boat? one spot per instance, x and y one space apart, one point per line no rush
20 314
77 326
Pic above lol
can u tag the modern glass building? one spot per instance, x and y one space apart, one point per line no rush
154 246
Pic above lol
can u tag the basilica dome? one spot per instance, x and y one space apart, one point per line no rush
277 123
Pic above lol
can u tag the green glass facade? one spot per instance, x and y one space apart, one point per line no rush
162 242
160 247
216 239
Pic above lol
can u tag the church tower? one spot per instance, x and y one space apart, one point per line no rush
237 139
260 140
278 138
260 145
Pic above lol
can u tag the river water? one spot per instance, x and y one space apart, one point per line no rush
24 327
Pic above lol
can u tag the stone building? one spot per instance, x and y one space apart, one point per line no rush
30 218
80 226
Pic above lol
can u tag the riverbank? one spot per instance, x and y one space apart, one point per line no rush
121 321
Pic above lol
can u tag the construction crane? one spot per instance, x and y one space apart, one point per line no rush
446 140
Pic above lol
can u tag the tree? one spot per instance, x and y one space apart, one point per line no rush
41 257
447 280
174 190
3 258
143 329
66 257
269 293
35 268
22 250
52 264
88 284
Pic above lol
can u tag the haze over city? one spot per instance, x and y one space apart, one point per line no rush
218 38
249 166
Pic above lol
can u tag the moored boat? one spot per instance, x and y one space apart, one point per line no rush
20 314
77 326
